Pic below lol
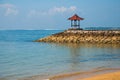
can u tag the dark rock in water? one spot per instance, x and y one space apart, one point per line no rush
84 36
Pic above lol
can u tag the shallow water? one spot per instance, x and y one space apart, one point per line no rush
20 57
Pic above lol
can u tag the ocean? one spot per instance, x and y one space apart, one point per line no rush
21 57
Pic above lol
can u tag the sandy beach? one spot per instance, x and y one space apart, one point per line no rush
107 76
99 74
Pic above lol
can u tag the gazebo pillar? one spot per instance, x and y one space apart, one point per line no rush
79 23
71 23
74 23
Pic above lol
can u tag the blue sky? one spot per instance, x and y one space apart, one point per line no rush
49 14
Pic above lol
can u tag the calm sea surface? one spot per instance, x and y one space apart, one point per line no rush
21 57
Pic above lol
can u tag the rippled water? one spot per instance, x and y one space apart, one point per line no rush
20 57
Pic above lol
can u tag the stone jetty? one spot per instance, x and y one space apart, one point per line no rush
84 36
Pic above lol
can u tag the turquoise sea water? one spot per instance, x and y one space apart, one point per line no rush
21 57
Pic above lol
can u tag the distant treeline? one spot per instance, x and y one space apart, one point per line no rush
102 28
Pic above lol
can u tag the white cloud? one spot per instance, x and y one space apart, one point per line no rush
9 9
54 10
62 9
6 5
57 10
72 8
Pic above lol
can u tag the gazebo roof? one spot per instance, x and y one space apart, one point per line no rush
75 17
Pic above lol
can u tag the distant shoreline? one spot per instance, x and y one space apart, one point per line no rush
84 36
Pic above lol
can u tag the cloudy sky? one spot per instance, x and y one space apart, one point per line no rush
53 14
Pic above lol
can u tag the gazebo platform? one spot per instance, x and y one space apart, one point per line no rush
75 28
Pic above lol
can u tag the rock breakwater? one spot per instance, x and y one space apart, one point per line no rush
83 36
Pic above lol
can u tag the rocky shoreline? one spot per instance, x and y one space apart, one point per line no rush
84 36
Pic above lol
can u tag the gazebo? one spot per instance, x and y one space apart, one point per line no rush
75 21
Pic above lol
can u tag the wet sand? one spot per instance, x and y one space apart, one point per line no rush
97 74
83 75
108 76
